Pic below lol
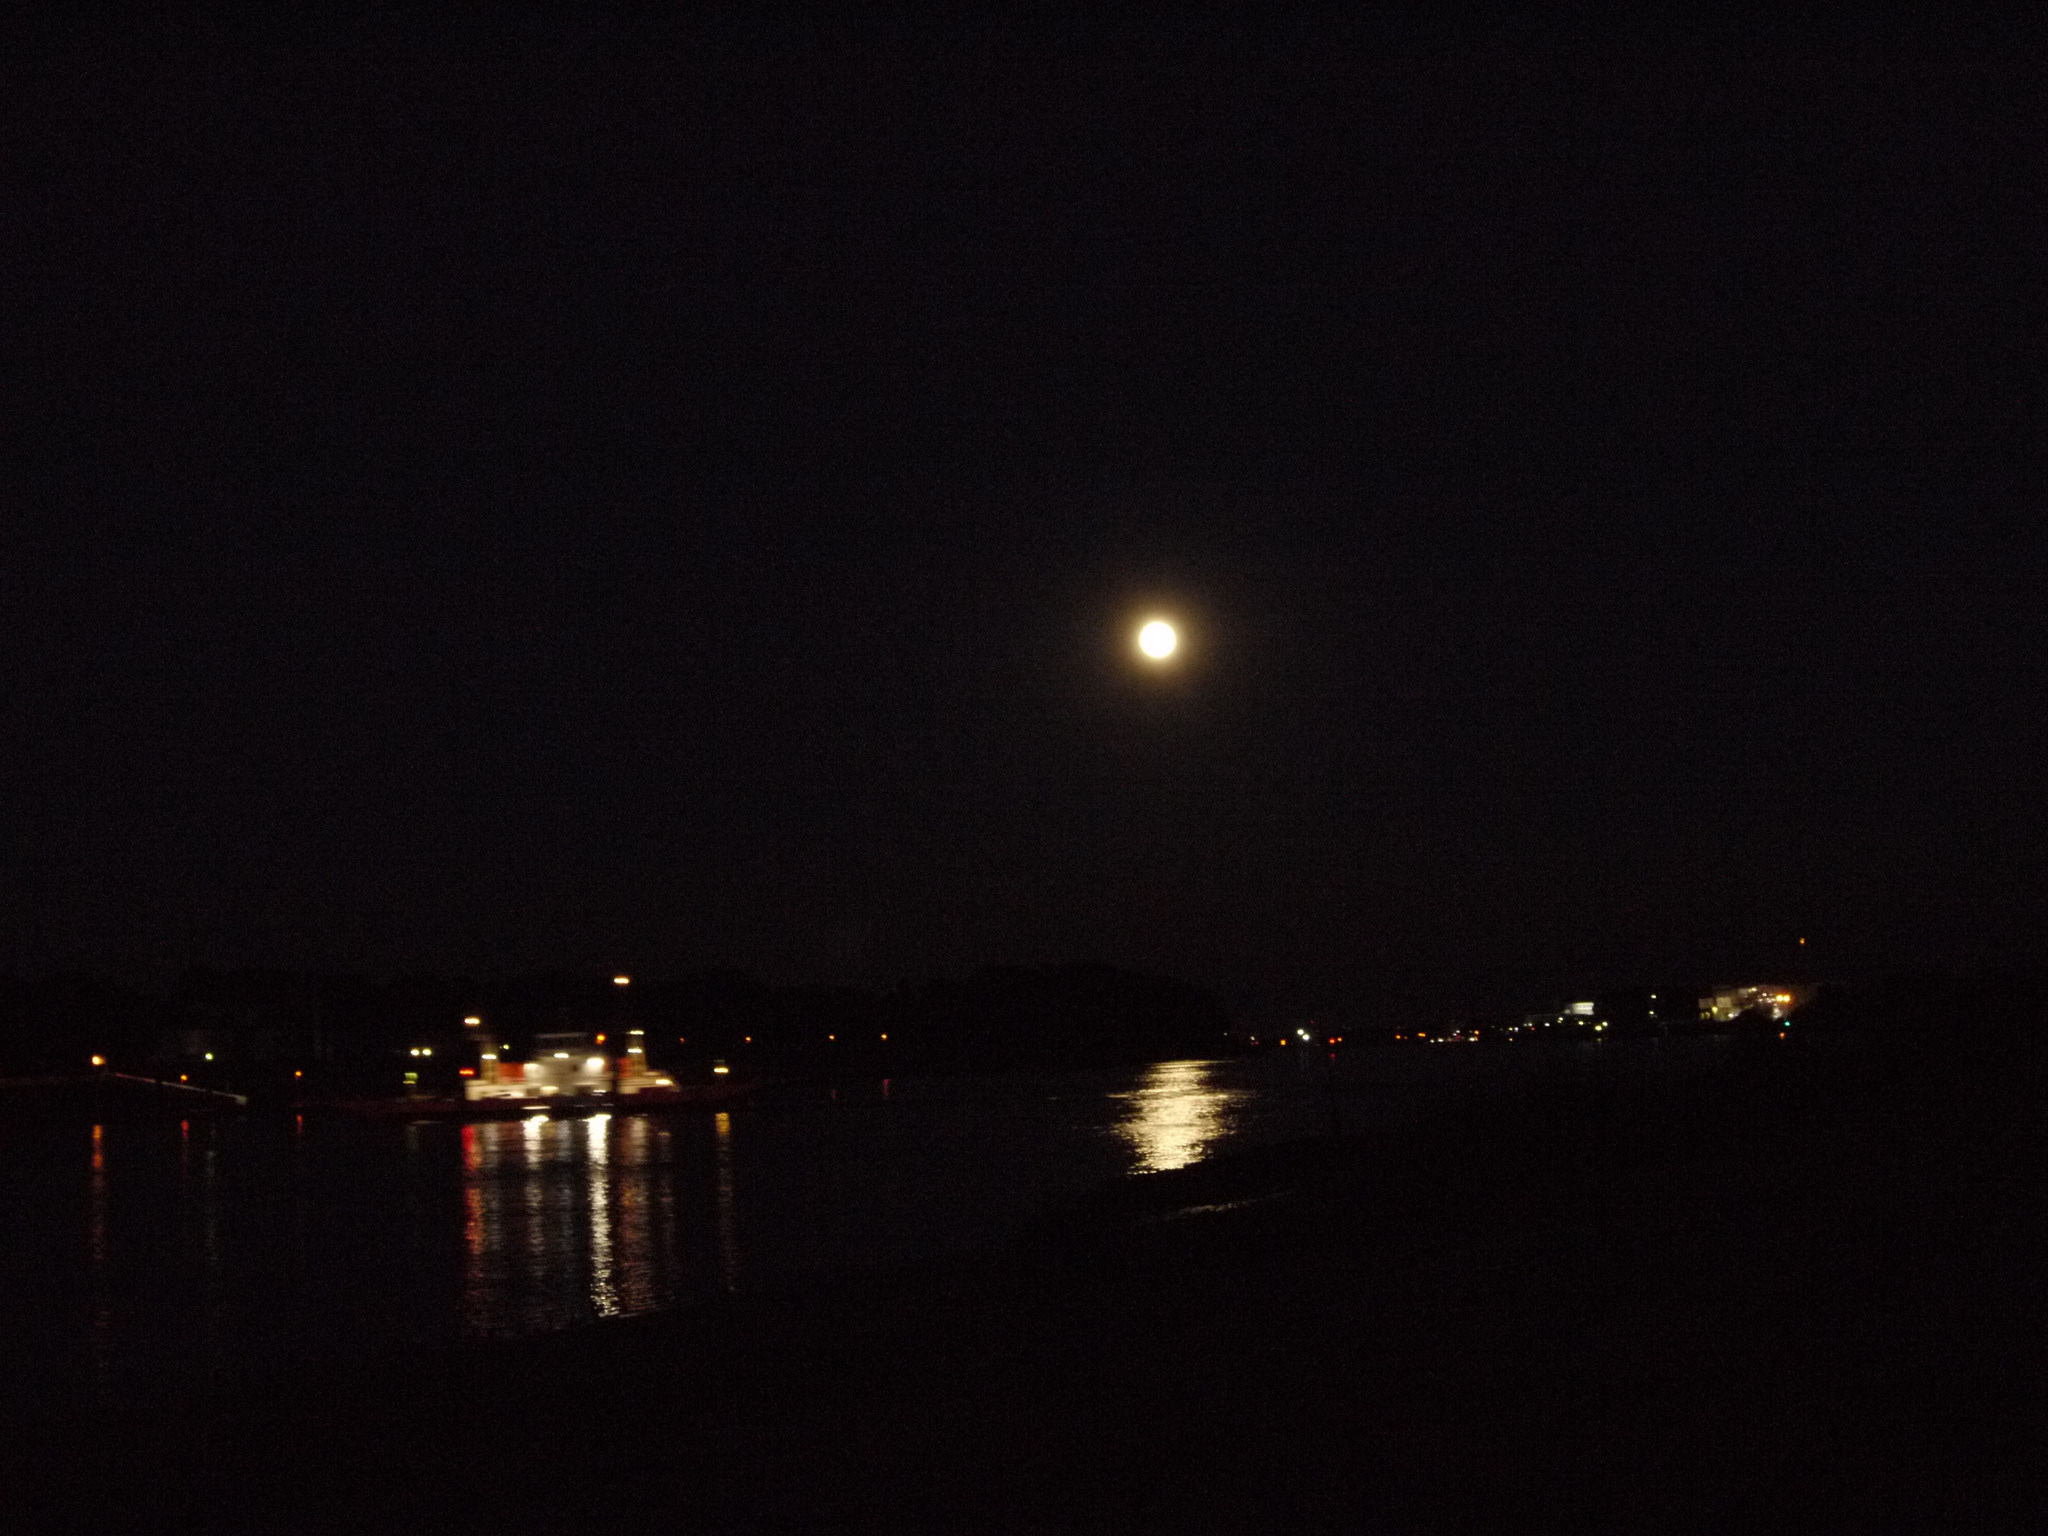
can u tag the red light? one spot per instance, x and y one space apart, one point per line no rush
467 1072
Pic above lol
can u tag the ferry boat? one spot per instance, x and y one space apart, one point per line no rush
569 1074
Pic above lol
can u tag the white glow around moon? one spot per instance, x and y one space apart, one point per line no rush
1158 640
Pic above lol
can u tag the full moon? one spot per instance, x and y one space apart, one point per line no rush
1158 640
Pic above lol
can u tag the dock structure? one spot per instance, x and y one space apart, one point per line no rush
107 1093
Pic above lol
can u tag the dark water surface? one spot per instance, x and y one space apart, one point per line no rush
135 1251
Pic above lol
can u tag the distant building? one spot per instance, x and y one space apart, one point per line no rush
1724 1005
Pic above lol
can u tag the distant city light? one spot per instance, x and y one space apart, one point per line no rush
99 1061
209 1055
622 981
472 1021
720 1070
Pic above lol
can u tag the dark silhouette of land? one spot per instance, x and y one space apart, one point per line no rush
1803 1291
279 1034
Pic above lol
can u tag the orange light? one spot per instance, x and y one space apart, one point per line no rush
467 1072
297 1073
99 1061
183 1078
622 981
600 1039
885 1037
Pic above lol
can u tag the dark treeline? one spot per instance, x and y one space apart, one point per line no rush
243 1028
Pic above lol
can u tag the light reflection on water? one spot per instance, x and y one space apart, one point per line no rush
728 1205
1175 1114
101 1329
604 1280
167 1247
563 1219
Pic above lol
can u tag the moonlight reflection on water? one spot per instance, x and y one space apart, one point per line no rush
1174 1114
149 1250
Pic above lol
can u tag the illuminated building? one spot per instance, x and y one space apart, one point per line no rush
1776 1000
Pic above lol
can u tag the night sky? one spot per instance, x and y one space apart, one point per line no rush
490 496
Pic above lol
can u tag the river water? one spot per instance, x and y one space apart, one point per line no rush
145 1250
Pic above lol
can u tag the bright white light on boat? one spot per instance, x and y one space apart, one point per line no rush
595 1064
561 1055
